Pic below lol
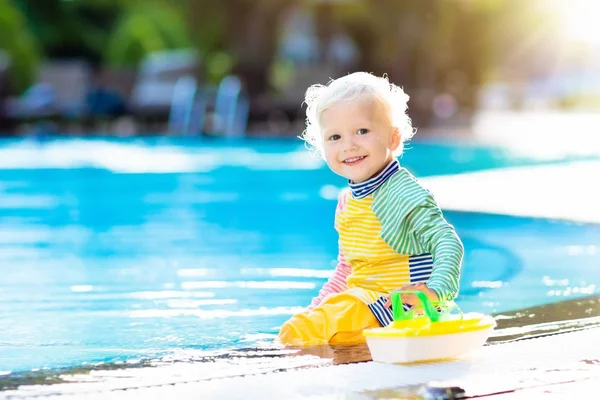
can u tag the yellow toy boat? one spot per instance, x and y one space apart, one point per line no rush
434 335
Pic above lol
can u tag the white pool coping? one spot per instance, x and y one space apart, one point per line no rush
565 191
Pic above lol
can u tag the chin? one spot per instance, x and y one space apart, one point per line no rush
358 179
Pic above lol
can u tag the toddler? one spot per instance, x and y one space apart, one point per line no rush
392 235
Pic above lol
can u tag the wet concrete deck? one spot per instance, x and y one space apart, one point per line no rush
550 364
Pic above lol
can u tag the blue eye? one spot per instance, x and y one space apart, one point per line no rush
334 137
362 131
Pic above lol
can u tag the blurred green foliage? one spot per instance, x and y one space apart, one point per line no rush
145 28
16 39
121 32
116 32
70 28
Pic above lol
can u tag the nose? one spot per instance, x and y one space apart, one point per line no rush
350 144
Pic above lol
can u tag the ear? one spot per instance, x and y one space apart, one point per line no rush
396 139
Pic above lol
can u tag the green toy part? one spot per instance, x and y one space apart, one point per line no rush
431 311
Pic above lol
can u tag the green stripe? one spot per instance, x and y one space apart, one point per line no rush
412 223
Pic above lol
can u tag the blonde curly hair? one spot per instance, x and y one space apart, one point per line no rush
319 98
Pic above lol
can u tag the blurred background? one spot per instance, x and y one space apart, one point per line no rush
241 67
156 203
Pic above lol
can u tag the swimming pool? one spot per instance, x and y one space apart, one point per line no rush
119 250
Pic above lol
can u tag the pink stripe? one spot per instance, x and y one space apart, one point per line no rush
338 280
337 283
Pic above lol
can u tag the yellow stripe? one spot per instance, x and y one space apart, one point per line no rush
376 268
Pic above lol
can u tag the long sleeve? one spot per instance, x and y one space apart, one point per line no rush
439 238
337 282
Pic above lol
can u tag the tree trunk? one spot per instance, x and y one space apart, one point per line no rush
252 39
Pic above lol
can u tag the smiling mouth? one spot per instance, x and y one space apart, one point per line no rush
354 160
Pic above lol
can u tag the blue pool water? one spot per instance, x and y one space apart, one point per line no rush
121 250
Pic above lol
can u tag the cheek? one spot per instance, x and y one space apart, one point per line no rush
331 146
380 141
328 152
371 141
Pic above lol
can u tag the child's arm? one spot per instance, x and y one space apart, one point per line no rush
439 238
338 280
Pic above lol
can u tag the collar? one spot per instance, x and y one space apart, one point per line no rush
363 189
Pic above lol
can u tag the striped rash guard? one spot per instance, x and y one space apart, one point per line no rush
392 233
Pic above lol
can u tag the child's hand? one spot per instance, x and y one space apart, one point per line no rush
411 299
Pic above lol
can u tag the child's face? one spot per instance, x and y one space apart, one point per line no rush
358 138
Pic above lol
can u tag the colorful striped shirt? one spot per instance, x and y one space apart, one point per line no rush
392 233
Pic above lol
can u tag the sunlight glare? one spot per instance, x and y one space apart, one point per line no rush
580 19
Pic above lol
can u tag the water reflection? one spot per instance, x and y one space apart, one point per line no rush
548 319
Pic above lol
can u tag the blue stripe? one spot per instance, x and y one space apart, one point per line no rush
420 273
419 277
421 266
379 315
421 269
363 189
419 257
383 315
425 274
421 261
387 312
367 186
372 187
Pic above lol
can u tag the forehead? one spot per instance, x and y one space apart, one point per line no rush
352 111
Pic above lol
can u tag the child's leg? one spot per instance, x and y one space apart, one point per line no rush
341 319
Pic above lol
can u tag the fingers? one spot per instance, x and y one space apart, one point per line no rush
410 299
